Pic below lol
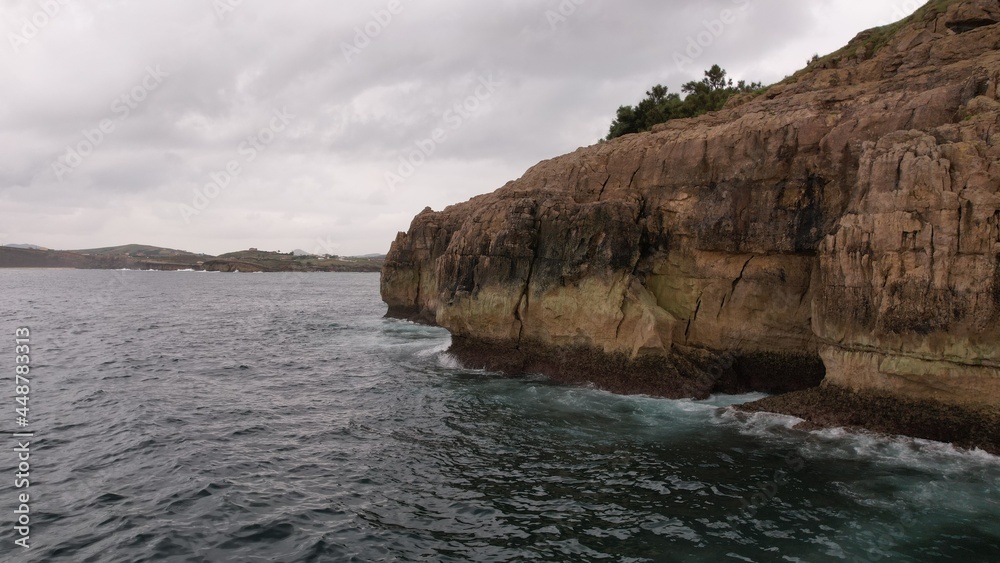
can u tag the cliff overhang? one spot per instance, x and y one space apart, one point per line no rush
843 226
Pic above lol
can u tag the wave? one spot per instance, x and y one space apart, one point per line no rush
434 351
691 415
895 450
855 444
448 361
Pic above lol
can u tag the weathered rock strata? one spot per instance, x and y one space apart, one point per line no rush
846 223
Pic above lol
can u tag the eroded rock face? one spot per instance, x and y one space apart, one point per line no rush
849 215
910 296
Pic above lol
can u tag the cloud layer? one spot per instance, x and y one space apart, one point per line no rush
216 125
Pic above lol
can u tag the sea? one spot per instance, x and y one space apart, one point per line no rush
192 416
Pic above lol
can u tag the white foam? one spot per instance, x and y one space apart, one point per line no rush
896 450
428 352
761 424
842 443
729 400
448 361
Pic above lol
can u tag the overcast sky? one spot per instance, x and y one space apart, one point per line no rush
217 125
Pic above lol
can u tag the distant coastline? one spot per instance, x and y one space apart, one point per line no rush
144 257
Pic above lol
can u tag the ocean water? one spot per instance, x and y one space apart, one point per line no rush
188 416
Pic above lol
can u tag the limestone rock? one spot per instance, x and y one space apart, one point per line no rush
846 222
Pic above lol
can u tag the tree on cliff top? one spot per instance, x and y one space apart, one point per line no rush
659 106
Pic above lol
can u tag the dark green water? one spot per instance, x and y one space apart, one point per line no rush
275 417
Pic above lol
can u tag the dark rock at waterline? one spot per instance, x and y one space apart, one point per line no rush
831 406
684 372
844 224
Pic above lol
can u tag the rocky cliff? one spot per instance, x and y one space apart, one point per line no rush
844 224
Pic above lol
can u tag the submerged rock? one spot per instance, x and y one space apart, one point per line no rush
844 224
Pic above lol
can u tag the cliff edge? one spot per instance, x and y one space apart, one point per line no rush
843 226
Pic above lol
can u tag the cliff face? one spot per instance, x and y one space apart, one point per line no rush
845 223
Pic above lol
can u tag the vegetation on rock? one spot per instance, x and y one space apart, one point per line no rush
709 94
842 226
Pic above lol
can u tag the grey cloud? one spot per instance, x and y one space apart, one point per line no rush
323 175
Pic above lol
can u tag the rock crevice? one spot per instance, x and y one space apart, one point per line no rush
845 224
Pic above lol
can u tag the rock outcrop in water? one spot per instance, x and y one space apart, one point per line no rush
844 224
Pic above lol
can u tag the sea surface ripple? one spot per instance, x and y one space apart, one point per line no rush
187 416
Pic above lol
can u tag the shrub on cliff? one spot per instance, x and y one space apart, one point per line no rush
659 106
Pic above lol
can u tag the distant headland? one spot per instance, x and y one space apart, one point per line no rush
145 257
